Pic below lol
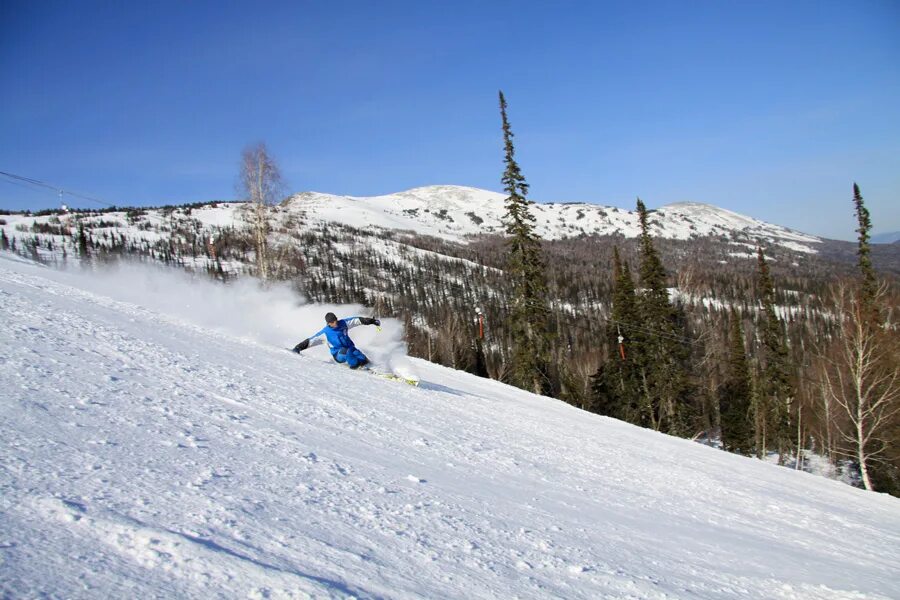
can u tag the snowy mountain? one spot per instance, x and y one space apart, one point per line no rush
159 442
454 212
455 215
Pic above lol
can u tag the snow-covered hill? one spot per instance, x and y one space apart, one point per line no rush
158 442
453 212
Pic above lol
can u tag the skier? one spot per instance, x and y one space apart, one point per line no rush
342 348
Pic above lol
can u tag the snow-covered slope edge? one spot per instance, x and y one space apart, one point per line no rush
146 455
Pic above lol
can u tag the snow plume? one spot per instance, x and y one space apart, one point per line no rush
273 315
386 348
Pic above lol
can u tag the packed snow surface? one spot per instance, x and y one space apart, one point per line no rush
159 442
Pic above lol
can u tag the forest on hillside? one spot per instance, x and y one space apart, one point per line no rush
455 302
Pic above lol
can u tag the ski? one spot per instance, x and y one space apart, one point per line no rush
372 371
391 376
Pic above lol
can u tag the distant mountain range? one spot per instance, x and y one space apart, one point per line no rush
891 237
456 212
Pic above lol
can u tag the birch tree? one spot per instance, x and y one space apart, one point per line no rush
863 378
261 185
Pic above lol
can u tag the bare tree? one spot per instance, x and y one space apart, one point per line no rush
863 377
820 402
261 185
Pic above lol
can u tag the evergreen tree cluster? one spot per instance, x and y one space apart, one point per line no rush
646 379
775 390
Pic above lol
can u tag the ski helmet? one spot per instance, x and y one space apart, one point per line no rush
330 317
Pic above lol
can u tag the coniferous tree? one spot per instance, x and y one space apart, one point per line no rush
480 367
662 339
776 390
4 241
615 385
869 286
529 316
735 394
82 241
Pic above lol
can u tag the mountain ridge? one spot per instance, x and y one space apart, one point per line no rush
456 213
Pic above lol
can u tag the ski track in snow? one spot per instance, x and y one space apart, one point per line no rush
146 456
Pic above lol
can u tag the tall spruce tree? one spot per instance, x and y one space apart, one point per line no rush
662 339
735 393
869 286
529 318
776 390
615 386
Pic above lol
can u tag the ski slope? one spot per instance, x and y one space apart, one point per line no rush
159 442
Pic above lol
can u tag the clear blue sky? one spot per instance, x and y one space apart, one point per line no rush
771 109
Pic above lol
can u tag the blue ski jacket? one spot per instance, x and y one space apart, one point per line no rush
337 337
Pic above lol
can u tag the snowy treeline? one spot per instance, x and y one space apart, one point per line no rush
436 285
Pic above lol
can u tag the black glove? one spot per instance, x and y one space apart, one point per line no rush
301 346
369 321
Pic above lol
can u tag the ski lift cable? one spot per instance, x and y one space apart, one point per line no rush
26 185
29 180
55 188
649 331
